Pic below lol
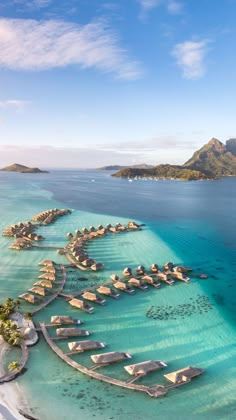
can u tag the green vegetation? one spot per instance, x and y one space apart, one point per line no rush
14 365
162 171
9 329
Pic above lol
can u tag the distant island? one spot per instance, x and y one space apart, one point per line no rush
212 161
16 167
119 167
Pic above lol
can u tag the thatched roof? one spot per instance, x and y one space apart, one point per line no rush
48 276
184 375
104 290
101 232
168 266
90 296
112 229
148 279
154 267
44 283
111 357
144 367
61 319
97 266
134 281
29 298
114 277
120 285
88 262
38 290
77 303
127 271
71 332
48 269
47 262
85 345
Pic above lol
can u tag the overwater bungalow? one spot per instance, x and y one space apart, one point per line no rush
165 277
92 229
30 298
182 269
48 276
48 269
140 270
85 230
112 229
127 272
100 227
168 266
184 375
180 276
110 357
97 266
101 232
77 232
38 290
80 257
114 277
133 226
44 283
108 291
21 243
154 268
69 235
93 297
88 262
47 262
152 281
80 304
81 346
71 332
137 283
124 287
64 319
145 367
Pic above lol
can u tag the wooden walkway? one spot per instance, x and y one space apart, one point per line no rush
60 288
154 391
12 375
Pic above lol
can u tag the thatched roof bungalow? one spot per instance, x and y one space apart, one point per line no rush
168 266
64 319
47 262
44 283
80 304
127 272
88 262
154 268
48 269
97 266
150 280
108 291
112 229
71 332
114 277
110 357
38 290
93 297
29 298
137 283
123 286
184 375
80 346
48 276
145 367
140 270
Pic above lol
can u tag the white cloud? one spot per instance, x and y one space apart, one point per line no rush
173 6
17 104
27 44
190 58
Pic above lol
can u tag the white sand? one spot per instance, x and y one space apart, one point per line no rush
11 395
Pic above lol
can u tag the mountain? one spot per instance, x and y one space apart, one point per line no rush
231 146
119 167
162 171
16 167
214 159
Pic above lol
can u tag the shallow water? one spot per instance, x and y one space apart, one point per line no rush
185 324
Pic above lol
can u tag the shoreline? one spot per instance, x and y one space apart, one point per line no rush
12 397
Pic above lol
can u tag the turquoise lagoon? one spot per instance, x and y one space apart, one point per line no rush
188 324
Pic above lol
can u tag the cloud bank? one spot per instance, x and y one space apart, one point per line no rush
27 44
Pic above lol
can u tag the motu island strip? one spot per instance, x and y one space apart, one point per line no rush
16 167
212 161
18 329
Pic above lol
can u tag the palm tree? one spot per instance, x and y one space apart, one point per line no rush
13 366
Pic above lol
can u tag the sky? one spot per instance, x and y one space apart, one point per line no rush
87 83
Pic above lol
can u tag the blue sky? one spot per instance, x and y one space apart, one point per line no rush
85 83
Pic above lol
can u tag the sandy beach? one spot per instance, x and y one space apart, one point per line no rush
12 397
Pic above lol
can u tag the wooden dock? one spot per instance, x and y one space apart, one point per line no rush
154 391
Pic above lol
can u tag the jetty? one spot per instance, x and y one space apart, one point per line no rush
154 391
